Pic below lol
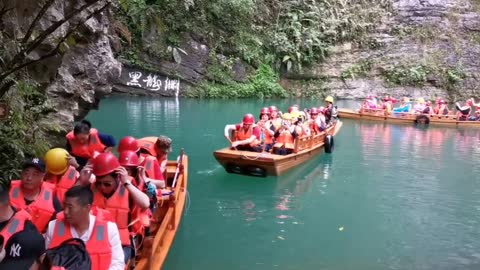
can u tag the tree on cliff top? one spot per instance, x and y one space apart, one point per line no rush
26 41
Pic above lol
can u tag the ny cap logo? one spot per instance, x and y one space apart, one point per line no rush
35 160
15 250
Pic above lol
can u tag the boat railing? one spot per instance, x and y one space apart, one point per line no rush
308 142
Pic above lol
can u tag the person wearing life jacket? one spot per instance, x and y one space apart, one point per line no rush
114 191
145 159
266 130
463 112
247 134
330 111
442 108
428 108
419 106
298 121
101 237
84 142
285 137
404 107
130 161
387 105
163 147
61 171
315 124
34 195
275 119
13 221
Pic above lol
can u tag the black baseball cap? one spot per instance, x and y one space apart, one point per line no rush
22 249
35 162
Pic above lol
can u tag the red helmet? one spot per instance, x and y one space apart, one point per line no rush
314 111
105 163
291 109
265 111
273 109
128 143
441 101
469 102
249 119
129 159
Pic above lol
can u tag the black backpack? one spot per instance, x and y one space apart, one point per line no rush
71 254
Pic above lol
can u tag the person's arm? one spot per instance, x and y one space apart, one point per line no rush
48 235
57 206
108 141
118 259
227 130
139 198
246 141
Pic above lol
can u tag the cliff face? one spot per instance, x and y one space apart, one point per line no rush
426 48
84 68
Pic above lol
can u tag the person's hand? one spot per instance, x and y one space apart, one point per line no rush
72 161
141 173
234 144
123 175
85 175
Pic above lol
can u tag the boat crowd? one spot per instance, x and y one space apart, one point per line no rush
405 105
83 207
275 132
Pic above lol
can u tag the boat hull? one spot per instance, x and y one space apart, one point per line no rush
263 164
406 118
153 256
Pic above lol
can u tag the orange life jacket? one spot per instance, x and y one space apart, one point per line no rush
14 225
147 145
285 139
118 206
149 165
86 150
242 134
141 220
41 210
67 180
268 139
314 127
98 246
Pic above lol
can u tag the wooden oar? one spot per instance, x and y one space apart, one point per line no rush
177 172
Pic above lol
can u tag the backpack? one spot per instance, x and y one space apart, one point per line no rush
71 254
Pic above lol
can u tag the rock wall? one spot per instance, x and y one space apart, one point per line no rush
85 68
430 33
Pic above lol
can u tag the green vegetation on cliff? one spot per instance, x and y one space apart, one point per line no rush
286 35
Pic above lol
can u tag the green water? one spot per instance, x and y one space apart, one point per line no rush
388 197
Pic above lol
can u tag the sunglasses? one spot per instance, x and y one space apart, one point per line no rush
105 184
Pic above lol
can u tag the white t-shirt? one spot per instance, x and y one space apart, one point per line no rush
113 235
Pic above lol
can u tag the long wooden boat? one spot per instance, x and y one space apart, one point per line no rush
406 118
263 164
167 217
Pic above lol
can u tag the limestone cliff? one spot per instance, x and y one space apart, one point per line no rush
84 67
426 48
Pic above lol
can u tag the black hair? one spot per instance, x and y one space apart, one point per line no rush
82 128
83 193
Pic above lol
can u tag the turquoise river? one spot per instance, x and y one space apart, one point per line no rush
388 197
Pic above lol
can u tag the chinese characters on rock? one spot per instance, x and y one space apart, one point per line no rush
153 82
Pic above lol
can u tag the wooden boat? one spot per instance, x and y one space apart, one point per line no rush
406 118
167 217
263 164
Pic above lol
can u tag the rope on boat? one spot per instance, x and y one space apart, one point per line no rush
261 154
